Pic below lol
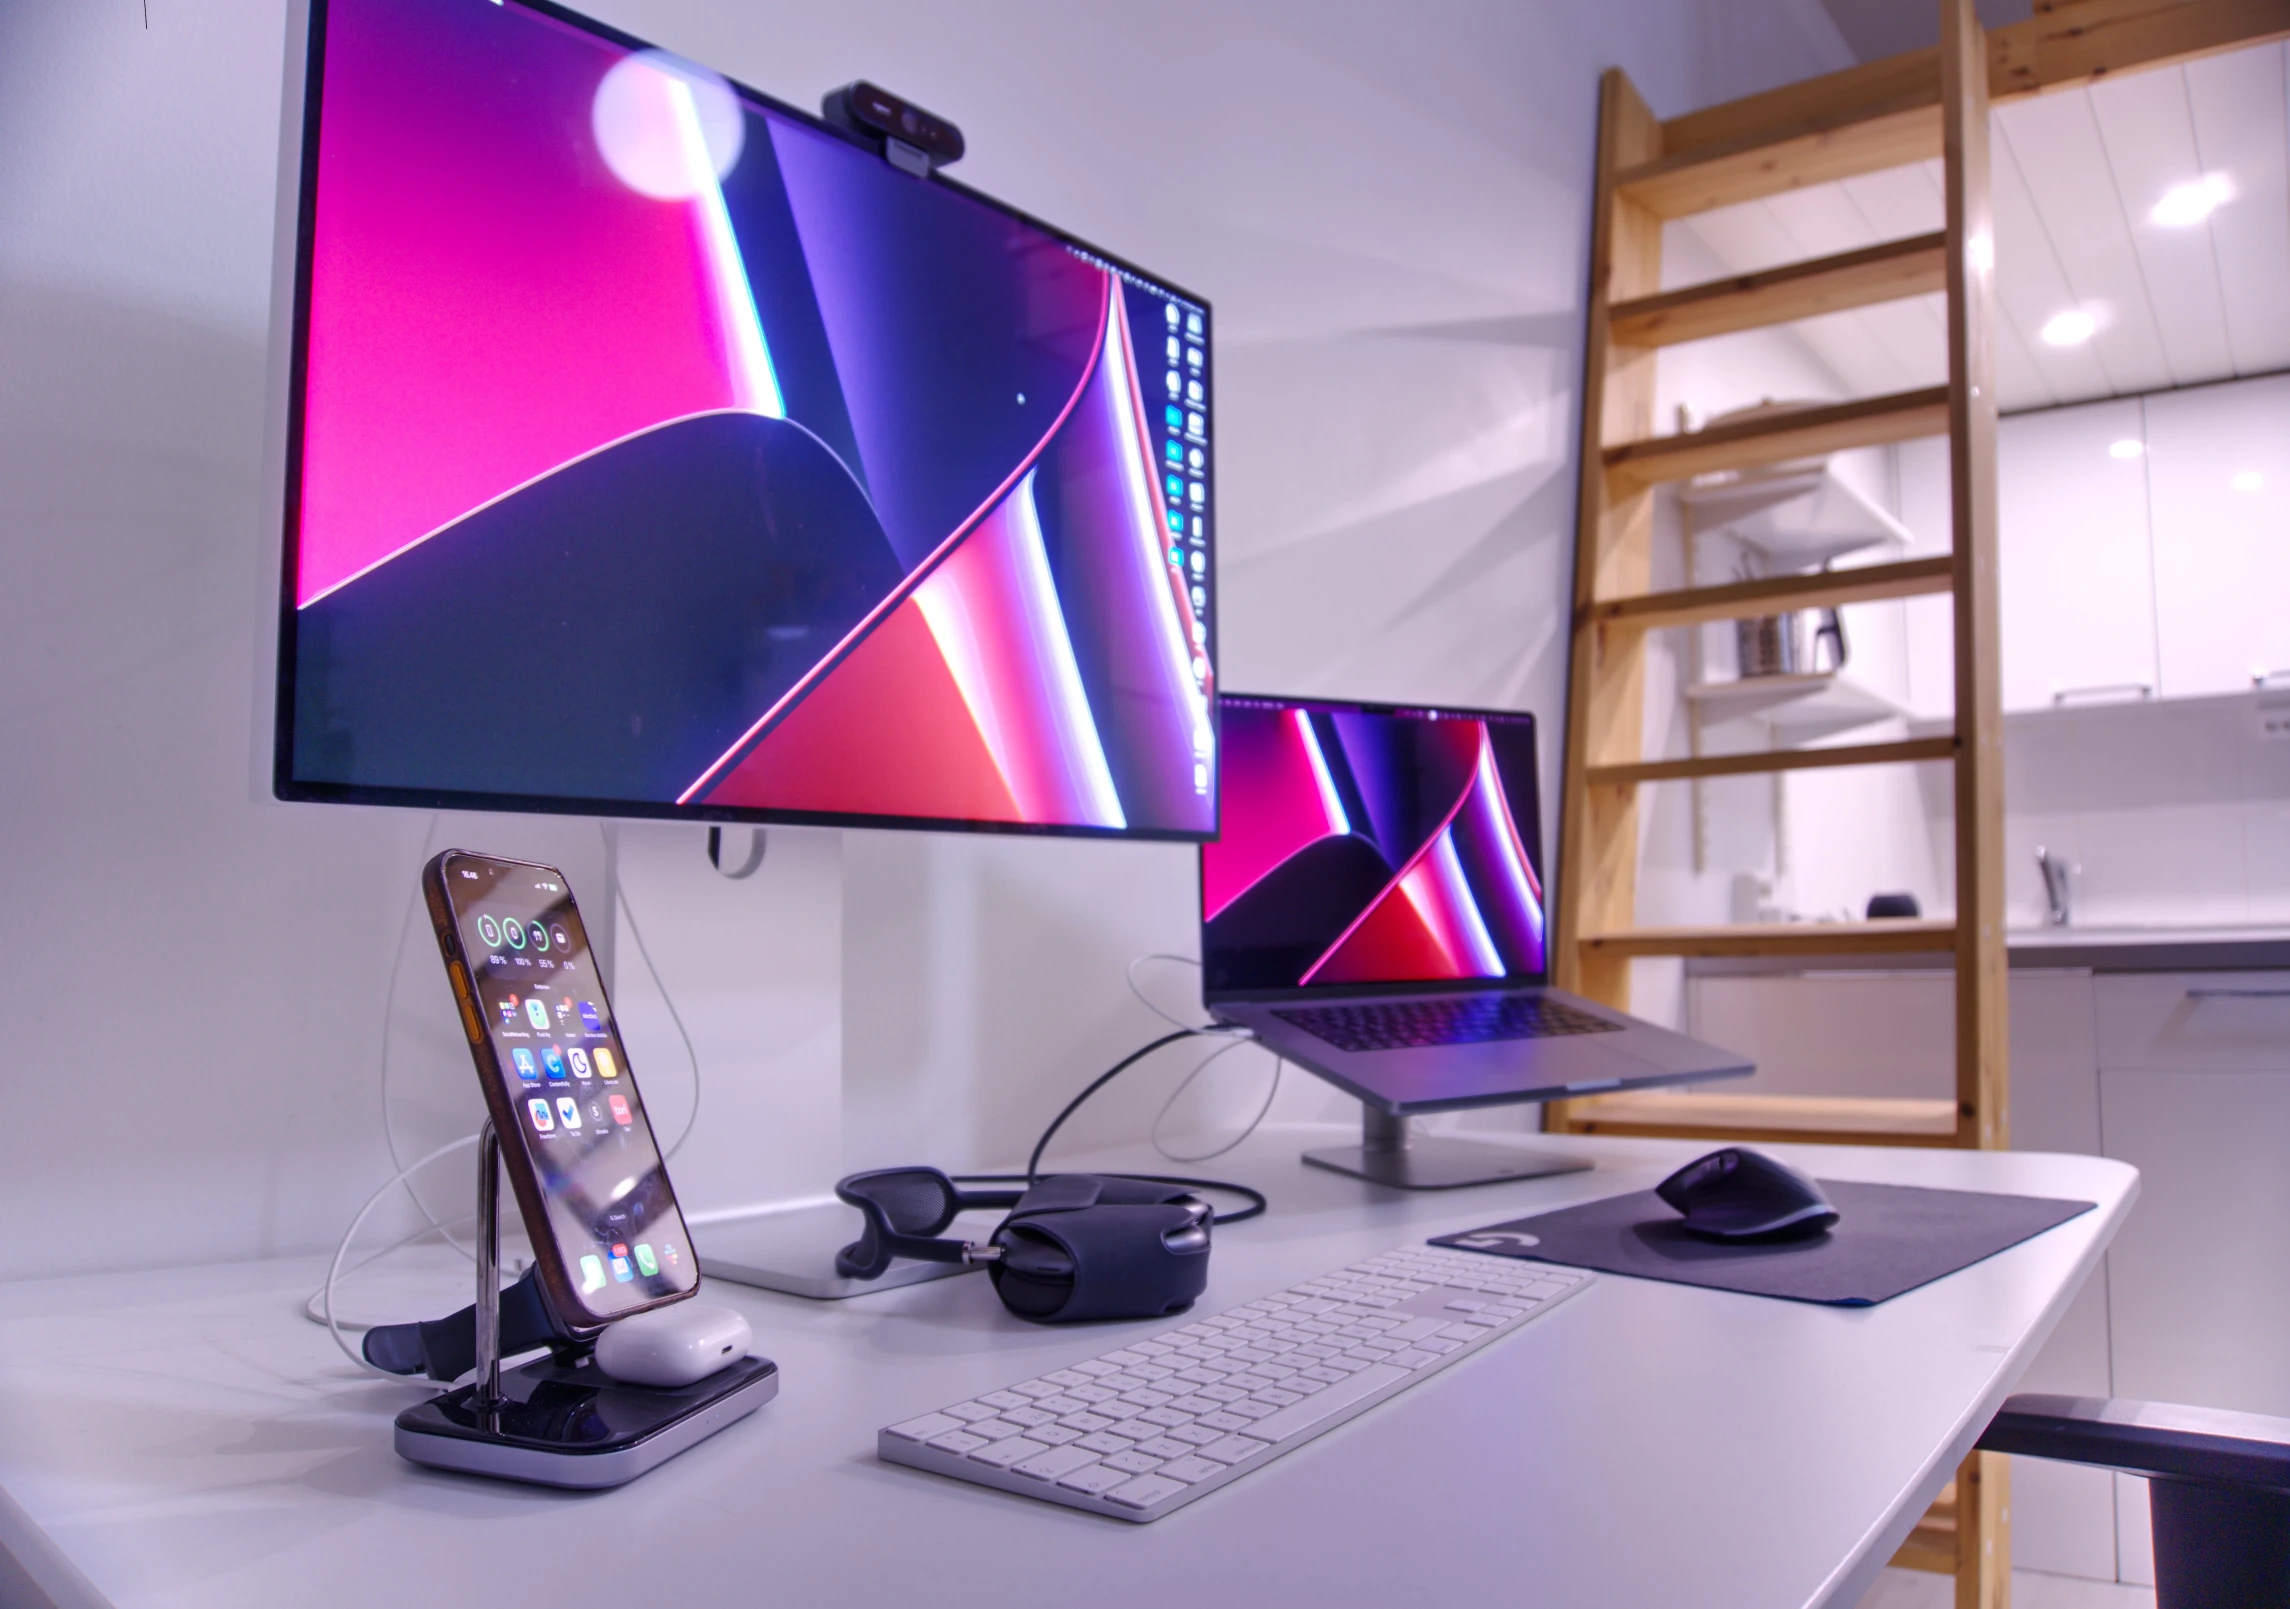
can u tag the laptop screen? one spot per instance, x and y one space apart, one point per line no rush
1367 845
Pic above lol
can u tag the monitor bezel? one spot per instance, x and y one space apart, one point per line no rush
1320 991
289 788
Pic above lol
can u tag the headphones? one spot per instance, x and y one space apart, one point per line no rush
1074 1246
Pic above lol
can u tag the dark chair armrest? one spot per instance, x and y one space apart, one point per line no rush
2146 1438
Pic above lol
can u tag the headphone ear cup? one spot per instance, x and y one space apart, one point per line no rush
1102 1262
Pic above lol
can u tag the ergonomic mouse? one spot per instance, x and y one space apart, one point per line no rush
1740 1194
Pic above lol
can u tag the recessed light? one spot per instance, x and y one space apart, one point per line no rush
2071 328
2184 205
2126 448
2248 481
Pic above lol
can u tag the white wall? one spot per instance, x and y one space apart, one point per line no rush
1387 206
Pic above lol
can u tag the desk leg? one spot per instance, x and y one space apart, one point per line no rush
1967 1534
1984 1532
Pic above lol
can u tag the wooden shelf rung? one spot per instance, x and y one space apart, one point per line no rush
1778 437
1913 267
1778 1119
1886 936
1741 600
1767 761
1829 142
1887 113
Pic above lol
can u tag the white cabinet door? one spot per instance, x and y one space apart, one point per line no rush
2218 462
2076 580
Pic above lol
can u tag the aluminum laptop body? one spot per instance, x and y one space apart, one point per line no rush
1373 911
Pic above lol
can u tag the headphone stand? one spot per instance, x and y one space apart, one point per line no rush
554 1424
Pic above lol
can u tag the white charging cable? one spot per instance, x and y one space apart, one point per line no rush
342 1249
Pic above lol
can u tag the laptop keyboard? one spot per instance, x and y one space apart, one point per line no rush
1454 1020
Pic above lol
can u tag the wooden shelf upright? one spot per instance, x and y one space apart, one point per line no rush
1909 108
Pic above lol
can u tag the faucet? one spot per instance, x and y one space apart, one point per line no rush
2055 872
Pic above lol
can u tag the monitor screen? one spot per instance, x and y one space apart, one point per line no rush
656 449
1366 845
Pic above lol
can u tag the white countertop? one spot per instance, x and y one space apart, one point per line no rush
184 1437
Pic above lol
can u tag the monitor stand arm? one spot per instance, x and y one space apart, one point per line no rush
1390 1154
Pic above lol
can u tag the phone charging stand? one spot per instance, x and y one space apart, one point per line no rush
557 1425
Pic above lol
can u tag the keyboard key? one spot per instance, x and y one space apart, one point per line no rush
1054 1463
1224 1421
1195 1435
1003 1400
1190 1470
968 1412
1034 1390
1144 1491
1135 1462
1164 1447
1122 1359
929 1425
994 1429
1100 1444
1096 1368
1412 1359
1292 1421
1085 1421
957 1441
1009 1450
1028 1418
1096 1478
1233 1449
1138 1429
1054 1435
1066 1377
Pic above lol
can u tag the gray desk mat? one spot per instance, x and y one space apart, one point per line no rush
1888 1238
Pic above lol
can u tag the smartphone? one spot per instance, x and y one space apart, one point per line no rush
576 1142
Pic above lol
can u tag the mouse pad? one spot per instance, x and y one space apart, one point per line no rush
1888 1238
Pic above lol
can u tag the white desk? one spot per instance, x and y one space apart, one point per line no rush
187 1438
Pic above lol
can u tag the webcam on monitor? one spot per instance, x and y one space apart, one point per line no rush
916 141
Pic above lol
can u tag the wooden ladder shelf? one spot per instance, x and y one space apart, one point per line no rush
1911 108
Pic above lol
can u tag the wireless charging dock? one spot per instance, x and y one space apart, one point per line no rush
556 1425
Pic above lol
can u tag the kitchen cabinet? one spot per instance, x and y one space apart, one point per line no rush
2218 469
2077 584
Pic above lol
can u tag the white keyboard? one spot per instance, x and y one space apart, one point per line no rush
1155 1423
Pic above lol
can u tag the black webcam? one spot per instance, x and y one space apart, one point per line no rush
914 141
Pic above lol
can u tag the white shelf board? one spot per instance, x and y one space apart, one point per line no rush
1799 520
1801 707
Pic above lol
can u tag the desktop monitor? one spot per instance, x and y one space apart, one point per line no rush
656 449
1373 848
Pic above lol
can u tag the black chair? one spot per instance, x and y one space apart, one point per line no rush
2218 1493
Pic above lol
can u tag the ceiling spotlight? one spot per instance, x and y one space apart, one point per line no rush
2184 205
2248 481
2127 448
2071 328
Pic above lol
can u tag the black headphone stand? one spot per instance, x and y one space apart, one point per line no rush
556 1425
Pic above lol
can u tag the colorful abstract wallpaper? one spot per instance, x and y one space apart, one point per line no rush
657 449
1366 845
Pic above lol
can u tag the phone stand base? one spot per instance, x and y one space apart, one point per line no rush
559 1426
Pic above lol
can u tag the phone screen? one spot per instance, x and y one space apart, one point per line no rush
579 1119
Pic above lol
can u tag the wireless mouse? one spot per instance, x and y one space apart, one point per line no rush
1740 1194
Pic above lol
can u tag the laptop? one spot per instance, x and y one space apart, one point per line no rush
1373 911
